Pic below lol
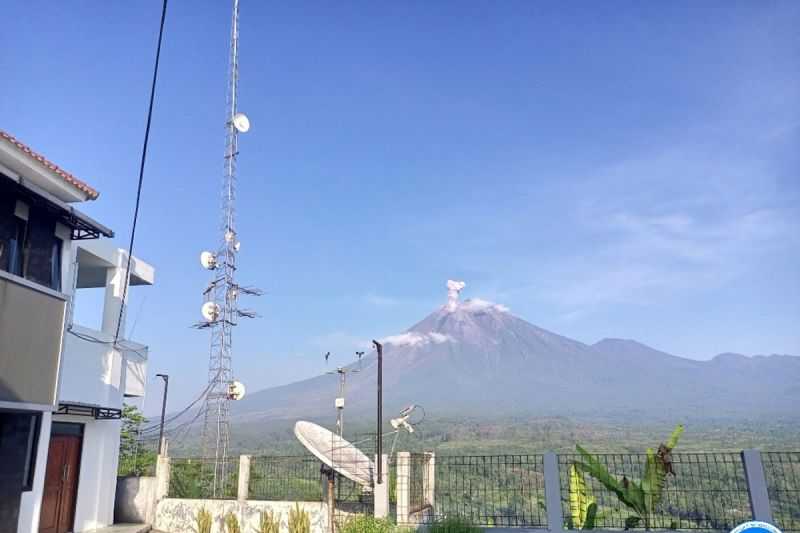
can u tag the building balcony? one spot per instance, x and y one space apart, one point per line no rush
95 373
31 329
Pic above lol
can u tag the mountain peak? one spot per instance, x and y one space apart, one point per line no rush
476 356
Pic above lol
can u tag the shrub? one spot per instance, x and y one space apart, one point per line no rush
269 523
299 522
453 525
365 524
203 521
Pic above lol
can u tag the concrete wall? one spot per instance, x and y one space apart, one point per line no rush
178 515
98 478
135 500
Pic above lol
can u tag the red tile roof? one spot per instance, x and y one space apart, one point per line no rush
66 176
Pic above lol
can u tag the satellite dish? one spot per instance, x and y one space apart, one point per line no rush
241 122
237 246
236 390
208 260
335 452
210 311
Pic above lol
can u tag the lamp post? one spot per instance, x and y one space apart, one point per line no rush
165 377
379 347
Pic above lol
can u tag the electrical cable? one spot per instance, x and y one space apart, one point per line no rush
141 171
202 396
89 338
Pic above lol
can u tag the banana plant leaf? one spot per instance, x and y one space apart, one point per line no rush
580 500
628 492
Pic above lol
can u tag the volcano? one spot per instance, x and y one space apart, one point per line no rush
475 358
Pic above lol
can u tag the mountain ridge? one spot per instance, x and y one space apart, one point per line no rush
475 357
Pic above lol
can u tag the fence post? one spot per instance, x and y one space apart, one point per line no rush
162 477
429 480
552 492
403 486
381 503
243 489
757 485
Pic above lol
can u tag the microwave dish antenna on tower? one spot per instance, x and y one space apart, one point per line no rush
210 311
208 260
236 391
241 122
221 309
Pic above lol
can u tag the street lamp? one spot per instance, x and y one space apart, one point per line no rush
165 377
379 347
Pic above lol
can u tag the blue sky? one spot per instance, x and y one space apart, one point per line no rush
621 169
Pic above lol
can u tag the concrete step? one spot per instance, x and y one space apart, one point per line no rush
122 528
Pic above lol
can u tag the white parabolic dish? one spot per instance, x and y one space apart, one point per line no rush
335 452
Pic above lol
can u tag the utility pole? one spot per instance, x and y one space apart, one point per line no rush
379 347
165 377
340 399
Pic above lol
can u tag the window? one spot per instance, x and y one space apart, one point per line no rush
31 448
19 441
55 264
16 257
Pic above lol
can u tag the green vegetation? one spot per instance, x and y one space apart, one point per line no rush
528 434
453 525
188 479
299 521
582 505
269 522
231 523
366 524
642 497
203 521
133 459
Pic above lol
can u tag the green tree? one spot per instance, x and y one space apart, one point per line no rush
133 459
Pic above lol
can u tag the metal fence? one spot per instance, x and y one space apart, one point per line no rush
300 478
490 490
194 478
782 472
285 478
708 491
138 458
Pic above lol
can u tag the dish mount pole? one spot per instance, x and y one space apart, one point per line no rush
330 473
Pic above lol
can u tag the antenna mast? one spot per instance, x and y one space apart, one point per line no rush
220 309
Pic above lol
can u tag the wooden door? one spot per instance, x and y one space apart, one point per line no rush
60 484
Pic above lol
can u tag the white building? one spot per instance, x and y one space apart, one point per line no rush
62 385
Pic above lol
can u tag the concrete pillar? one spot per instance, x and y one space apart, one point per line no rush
162 477
403 486
381 496
429 479
552 493
244 478
757 485
115 283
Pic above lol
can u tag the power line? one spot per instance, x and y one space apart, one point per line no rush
141 171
